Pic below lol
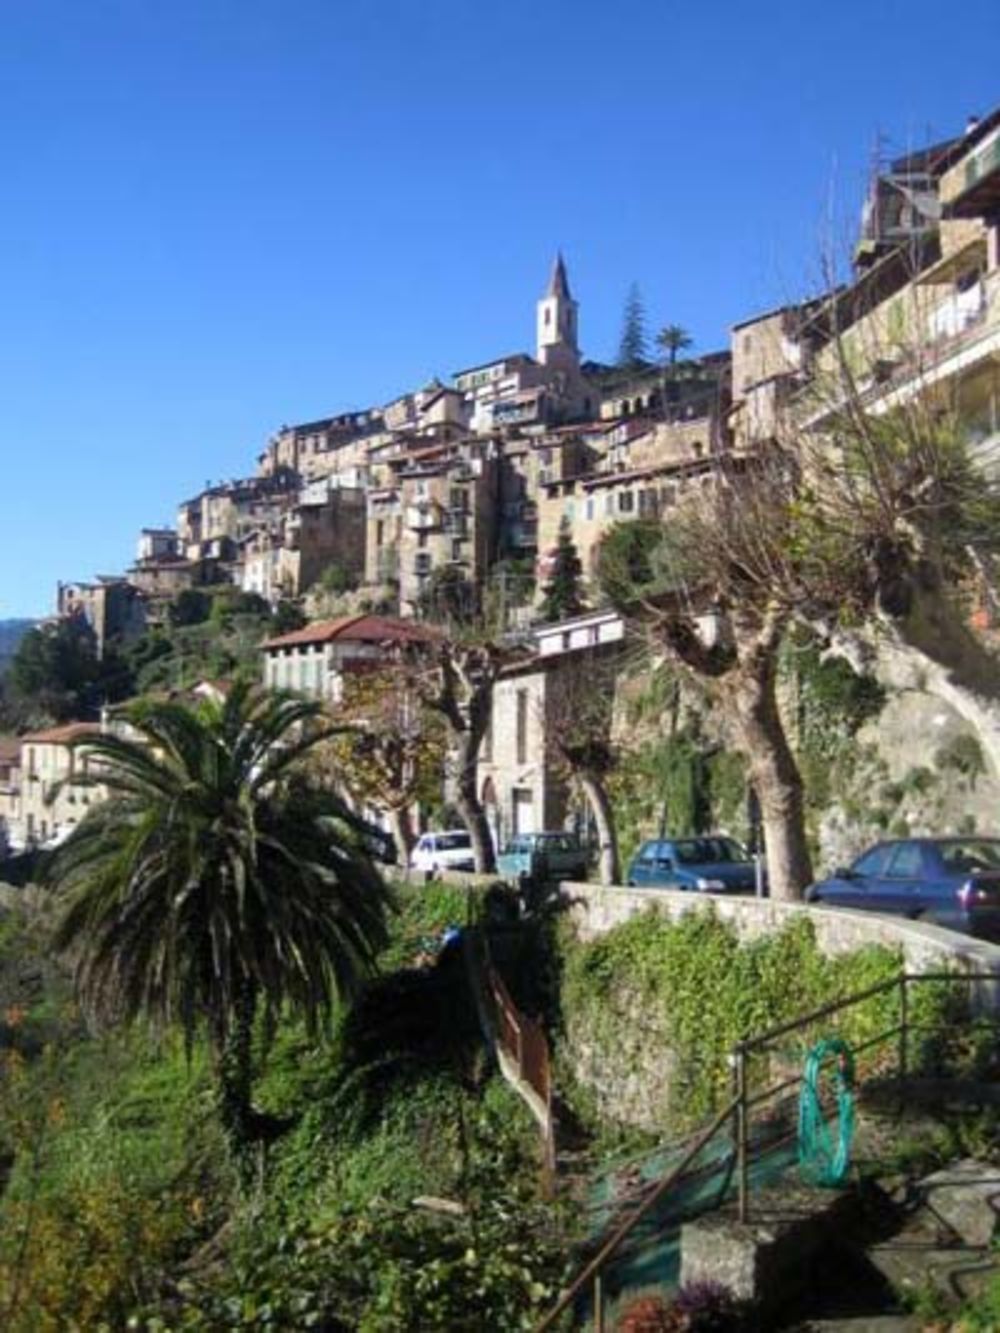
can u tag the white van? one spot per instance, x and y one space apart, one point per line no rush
451 849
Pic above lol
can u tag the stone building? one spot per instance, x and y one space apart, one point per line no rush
521 786
313 660
230 511
112 607
449 516
286 558
51 801
328 447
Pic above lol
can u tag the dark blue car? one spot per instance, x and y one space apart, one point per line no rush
953 882
712 864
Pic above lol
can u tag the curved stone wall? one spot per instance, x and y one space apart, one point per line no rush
595 908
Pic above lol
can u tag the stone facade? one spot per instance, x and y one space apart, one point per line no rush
51 802
313 660
112 608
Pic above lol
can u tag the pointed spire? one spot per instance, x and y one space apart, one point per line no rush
559 283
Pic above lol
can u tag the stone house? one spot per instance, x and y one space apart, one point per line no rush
449 516
328 447
233 509
51 801
522 788
113 608
594 503
285 559
313 660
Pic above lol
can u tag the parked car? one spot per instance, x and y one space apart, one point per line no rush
710 864
543 856
953 882
450 849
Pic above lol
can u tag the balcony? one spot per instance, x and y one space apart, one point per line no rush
422 517
457 524
523 534
979 188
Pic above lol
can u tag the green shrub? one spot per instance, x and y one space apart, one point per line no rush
695 981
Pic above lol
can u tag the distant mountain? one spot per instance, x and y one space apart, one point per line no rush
11 633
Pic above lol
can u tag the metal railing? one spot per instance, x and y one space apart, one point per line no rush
523 1041
592 1274
747 1099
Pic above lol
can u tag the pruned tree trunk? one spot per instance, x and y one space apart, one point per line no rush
607 837
741 671
753 707
401 827
471 808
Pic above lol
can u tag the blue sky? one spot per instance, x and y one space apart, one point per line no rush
222 215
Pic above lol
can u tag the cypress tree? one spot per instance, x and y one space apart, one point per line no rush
632 351
563 594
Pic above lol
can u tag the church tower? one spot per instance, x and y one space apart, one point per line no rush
557 323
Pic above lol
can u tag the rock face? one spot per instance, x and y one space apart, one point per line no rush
965 1197
920 771
944 1242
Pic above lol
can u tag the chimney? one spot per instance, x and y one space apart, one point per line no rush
971 124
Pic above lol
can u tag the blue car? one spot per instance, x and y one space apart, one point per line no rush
953 882
712 864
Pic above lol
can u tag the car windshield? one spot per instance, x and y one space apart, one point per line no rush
708 851
451 842
976 854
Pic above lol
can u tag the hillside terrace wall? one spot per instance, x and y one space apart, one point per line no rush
595 909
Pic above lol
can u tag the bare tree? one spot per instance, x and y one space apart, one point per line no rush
455 680
720 594
388 752
578 729
897 519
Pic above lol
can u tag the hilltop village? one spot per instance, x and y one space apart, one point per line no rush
526 856
451 504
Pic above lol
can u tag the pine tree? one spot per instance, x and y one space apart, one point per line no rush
563 594
632 351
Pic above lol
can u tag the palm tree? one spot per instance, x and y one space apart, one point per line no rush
673 339
214 878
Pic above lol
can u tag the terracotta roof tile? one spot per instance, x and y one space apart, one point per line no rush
353 629
64 735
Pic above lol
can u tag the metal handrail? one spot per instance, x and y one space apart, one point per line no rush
738 1109
611 1246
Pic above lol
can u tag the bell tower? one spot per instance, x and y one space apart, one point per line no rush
557 310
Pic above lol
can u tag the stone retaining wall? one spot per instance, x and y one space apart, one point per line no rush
595 909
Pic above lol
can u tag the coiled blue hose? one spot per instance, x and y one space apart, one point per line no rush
824 1160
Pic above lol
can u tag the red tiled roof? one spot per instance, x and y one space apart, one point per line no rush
64 735
353 629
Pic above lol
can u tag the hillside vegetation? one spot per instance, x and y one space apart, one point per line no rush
120 1203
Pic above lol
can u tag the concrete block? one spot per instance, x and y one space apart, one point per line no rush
767 1259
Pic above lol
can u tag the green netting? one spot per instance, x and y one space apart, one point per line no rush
823 1158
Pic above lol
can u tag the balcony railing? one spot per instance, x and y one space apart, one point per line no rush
979 192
